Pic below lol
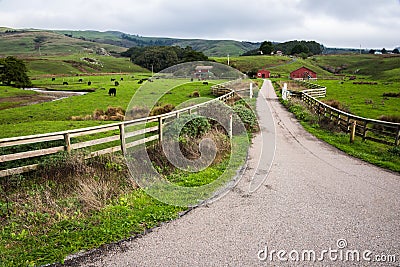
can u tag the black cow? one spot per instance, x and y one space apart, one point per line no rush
53 79
116 83
205 83
89 83
122 79
65 83
80 80
112 79
112 91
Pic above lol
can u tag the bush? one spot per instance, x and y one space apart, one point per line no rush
195 94
395 151
158 110
247 116
189 125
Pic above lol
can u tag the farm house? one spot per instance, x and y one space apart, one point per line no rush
203 72
263 74
303 73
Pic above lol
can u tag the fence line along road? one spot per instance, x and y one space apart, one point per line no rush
62 140
380 131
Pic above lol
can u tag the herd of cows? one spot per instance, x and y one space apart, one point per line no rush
111 92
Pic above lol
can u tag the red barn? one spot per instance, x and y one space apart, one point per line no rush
263 74
303 73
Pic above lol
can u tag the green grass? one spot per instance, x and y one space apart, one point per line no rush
375 67
364 100
126 216
372 152
73 64
22 43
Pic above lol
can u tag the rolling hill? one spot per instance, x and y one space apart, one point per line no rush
36 42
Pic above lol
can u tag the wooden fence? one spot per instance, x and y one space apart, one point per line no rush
63 139
369 129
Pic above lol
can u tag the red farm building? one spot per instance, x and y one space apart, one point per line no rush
263 74
303 73
203 72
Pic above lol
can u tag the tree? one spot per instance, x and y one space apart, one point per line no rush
267 48
13 70
384 51
162 57
299 49
396 51
372 51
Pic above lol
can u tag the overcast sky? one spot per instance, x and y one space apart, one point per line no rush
334 23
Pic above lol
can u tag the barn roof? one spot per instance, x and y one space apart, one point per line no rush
304 68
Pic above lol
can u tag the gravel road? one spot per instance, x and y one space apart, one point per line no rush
315 198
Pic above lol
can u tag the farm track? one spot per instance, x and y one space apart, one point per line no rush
314 196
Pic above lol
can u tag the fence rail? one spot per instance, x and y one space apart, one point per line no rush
64 143
369 129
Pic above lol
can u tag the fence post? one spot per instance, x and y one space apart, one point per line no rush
67 140
230 126
396 143
160 129
122 138
353 131
365 130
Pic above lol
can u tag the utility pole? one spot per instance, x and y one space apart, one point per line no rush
228 59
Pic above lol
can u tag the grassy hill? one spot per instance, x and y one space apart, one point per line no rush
20 42
376 67
23 43
79 64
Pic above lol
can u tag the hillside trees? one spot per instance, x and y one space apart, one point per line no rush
14 70
267 48
162 57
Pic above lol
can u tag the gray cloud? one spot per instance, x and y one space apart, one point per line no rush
334 23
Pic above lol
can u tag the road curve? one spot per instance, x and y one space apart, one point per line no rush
315 198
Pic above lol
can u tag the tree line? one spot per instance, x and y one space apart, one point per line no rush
301 48
157 58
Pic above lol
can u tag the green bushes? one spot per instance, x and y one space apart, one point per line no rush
189 125
247 116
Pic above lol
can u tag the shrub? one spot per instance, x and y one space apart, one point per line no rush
195 94
394 150
138 112
189 125
247 116
158 110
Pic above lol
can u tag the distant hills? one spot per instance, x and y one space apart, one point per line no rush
49 42
28 41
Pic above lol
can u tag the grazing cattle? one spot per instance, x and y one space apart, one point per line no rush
80 80
140 82
205 83
122 79
112 79
112 91
116 83
65 83
53 79
89 83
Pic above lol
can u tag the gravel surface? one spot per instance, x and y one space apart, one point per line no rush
313 197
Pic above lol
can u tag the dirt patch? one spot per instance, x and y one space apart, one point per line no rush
25 100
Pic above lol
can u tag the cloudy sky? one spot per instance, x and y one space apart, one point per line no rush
334 23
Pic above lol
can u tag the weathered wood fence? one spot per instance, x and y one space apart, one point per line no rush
369 129
116 130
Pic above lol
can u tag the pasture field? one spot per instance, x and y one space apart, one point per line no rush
373 67
56 115
363 99
79 64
